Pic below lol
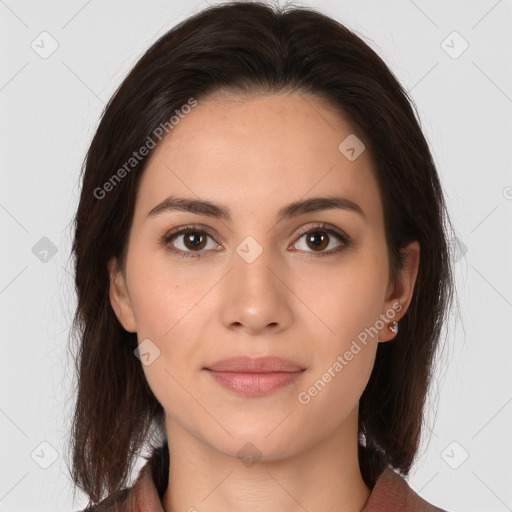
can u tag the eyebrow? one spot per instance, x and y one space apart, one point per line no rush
211 209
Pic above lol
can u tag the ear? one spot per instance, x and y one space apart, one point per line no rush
399 296
119 297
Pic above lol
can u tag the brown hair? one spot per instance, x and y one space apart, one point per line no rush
248 48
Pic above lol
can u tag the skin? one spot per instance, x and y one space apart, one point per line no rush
257 154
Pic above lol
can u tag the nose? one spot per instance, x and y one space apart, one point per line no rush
255 295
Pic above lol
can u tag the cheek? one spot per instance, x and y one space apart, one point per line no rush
348 303
341 386
178 396
341 369
344 301
169 312
163 294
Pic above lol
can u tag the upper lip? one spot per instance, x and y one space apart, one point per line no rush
245 364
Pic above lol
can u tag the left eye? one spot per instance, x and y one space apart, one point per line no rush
320 239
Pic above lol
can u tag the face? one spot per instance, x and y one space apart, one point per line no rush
308 285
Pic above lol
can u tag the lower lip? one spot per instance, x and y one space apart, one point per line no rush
254 384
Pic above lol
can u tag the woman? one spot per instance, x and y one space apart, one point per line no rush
262 272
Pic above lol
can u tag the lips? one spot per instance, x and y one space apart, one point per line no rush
245 364
255 376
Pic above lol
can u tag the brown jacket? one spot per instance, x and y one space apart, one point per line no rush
391 492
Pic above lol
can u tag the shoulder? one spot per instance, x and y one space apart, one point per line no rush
392 493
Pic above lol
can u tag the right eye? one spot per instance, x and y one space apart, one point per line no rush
187 241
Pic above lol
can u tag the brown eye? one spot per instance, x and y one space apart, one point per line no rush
188 242
194 240
317 240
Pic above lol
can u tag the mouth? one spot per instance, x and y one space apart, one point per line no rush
245 364
255 376
255 384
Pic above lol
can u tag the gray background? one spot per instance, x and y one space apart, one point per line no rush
50 107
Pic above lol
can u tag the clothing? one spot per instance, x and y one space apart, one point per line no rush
391 492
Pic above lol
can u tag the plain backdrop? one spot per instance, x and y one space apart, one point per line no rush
61 62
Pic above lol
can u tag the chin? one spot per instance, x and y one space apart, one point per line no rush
254 447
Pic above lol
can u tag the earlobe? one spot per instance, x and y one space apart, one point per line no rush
119 298
400 295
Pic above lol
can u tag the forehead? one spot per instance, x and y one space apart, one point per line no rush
257 153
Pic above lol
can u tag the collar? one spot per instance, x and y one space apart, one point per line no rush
391 492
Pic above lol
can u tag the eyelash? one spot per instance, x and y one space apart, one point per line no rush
170 236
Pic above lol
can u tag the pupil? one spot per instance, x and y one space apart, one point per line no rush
322 236
194 239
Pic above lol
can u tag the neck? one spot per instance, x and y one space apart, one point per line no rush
324 477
